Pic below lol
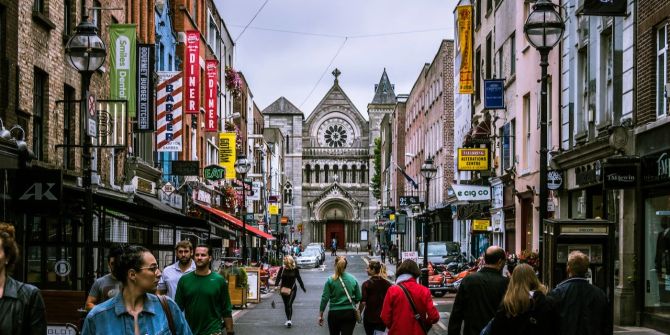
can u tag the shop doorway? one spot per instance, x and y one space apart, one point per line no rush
335 229
527 224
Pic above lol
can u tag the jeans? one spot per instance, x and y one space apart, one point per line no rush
341 322
288 302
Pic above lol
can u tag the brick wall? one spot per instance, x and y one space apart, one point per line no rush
650 13
8 59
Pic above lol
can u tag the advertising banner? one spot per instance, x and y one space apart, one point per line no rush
211 84
227 153
122 65
605 7
466 84
473 159
255 194
145 88
192 72
168 112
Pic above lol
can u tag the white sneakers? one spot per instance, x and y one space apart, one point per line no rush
287 324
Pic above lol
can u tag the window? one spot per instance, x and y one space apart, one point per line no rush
477 74
489 6
97 15
317 172
489 59
288 194
67 17
507 134
69 126
512 55
39 6
161 57
661 70
606 86
478 13
213 36
40 83
583 88
308 174
194 10
344 174
526 130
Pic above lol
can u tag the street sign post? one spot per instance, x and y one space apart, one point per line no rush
91 116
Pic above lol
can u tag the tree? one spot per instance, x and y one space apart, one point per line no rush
377 177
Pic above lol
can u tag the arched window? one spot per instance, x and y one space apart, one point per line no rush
317 172
344 174
353 174
336 176
326 170
288 193
308 174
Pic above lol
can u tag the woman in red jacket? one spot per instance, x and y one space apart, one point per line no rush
397 312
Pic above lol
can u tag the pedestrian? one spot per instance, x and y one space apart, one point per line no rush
396 261
342 292
383 255
286 280
167 285
21 304
369 249
377 249
135 310
525 308
107 286
408 307
583 307
203 297
373 293
479 295
333 247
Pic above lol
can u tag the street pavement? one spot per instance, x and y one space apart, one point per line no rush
262 317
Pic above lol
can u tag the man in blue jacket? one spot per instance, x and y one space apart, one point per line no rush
583 307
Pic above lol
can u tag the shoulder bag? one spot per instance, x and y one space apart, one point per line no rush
168 314
425 325
358 313
285 291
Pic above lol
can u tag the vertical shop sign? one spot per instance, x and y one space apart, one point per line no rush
169 111
466 84
227 153
122 59
192 72
145 89
211 73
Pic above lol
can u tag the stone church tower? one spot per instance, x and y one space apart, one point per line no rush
330 161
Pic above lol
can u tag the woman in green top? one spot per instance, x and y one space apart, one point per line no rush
343 293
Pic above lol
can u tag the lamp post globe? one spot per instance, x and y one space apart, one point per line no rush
544 26
428 171
85 51
242 166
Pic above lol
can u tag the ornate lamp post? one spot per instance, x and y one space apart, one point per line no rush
86 52
544 29
242 166
428 171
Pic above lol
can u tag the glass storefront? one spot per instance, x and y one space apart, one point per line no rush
657 252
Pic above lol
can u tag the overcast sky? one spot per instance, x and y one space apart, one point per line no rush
290 64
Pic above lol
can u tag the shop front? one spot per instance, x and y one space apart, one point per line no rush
471 204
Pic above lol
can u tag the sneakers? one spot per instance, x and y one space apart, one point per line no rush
287 324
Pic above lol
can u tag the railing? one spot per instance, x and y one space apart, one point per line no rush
336 152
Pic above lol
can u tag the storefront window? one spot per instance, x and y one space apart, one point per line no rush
35 228
34 258
657 251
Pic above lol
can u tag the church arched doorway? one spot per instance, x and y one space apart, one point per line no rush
335 221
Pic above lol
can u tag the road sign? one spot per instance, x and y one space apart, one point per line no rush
91 116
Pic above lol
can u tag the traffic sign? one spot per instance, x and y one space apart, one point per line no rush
91 116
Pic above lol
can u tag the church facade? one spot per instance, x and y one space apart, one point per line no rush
329 165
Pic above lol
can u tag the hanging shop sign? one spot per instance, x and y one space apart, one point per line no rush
185 168
37 190
481 224
473 159
192 73
214 172
554 180
273 209
227 153
656 168
605 7
471 192
619 176
122 66
211 93
405 201
169 112
466 83
255 193
494 94
145 88
497 198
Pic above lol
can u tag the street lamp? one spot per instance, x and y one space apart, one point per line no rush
242 166
428 171
544 29
86 52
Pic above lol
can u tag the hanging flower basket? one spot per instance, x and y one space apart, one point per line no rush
531 258
230 198
233 81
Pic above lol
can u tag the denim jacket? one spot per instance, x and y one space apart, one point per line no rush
111 317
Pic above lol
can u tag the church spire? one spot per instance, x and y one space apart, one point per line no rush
384 93
336 73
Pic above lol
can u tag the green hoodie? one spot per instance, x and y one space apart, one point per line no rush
334 293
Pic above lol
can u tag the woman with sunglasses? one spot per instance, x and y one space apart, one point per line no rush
136 310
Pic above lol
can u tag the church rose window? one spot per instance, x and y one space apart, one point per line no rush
335 136
336 133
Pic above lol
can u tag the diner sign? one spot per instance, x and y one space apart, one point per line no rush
192 72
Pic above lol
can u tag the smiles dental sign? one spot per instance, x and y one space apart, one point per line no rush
192 72
123 65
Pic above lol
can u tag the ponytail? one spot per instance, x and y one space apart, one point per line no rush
340 266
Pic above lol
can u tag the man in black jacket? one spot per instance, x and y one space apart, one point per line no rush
583 307
479 295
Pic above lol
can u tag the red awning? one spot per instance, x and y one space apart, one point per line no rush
236 222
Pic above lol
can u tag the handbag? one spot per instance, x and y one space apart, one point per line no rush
425 325
285 291
356 311
168 313
487 329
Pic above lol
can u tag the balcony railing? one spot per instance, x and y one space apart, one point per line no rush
336 152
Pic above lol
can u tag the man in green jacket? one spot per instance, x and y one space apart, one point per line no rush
203 296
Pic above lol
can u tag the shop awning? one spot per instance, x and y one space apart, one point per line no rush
236 222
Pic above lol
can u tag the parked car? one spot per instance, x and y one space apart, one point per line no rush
441 252
308 258
319 248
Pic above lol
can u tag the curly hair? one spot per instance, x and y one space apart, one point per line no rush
132 258
9 246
